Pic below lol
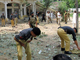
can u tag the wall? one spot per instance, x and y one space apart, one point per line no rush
74 9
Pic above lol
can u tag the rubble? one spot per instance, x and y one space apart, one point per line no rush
45 47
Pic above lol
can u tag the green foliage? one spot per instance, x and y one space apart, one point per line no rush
46 4
71 3
79 3
27 4
62 8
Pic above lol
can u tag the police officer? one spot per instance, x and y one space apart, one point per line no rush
32 21
22 41
62 32
65 17
68 15
12 19
16 18
3 19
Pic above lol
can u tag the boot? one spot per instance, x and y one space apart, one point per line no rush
62 49
67 52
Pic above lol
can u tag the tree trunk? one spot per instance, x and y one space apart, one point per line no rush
29 10
77 14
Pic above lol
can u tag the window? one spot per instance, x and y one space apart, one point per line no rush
10 4
15 4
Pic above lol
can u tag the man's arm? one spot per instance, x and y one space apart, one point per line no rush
74 38
4 17
36 21
77 44
1 17
21 36
19 42
30 40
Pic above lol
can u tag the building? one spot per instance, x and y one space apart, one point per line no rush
20 6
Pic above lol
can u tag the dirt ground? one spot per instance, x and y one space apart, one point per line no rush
45 47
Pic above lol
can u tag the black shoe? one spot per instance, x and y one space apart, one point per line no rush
4 26
62 49
67 52
35 38
13 26
65 22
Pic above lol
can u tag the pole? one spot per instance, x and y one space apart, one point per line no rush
77 15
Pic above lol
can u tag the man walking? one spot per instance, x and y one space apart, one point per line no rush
62 32
16 18
43 17
12 19
65 17
59 17
3 19
51 15
32 21
22 40
74 19
48 18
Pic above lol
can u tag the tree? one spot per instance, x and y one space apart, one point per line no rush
71 3
62 8
46 4
77 14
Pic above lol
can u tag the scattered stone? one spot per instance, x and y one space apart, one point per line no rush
53 46
9 53
47 45
40 51
58 46
79 55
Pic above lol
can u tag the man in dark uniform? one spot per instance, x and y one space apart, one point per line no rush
32 21
43 17
3 19
22 41
62 32
37 13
